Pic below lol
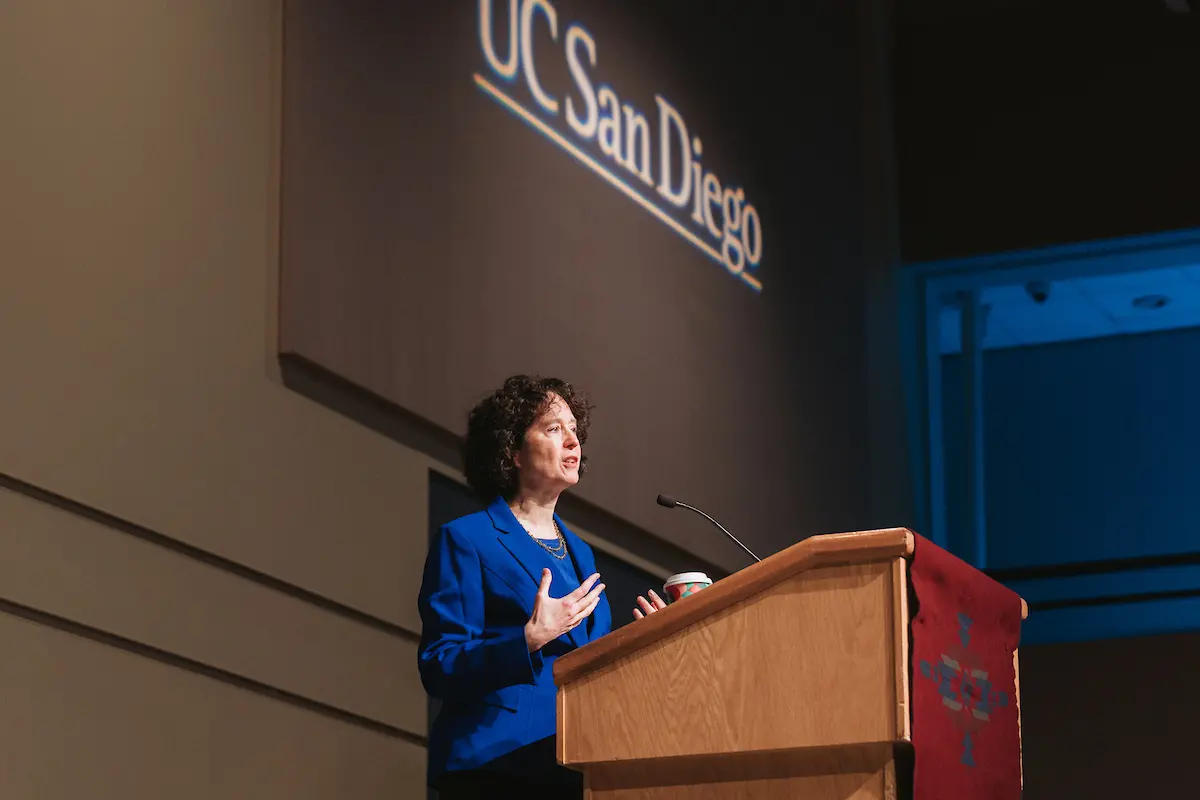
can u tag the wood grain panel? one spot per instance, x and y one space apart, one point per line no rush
816 551
901 643
768 673
851 773
85 720
73 568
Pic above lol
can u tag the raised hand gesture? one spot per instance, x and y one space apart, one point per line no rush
552 617
655 603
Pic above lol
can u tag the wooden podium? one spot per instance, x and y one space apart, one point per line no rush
788 679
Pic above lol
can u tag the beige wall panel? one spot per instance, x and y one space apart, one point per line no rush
80 570
138 185
82 719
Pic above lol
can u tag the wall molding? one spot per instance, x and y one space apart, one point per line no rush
206 557
207 670
1107 598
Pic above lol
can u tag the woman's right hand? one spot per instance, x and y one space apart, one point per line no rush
552 617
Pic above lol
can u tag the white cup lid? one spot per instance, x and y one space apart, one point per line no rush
688 577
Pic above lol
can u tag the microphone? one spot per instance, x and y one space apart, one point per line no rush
670 502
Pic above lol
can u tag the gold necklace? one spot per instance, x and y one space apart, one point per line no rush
560 551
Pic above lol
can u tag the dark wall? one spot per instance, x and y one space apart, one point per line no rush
1110 720
435 241
1035 122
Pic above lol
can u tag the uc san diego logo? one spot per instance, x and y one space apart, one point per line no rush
714 217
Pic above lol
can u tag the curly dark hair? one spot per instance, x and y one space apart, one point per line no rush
496 430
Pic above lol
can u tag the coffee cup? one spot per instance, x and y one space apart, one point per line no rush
685 584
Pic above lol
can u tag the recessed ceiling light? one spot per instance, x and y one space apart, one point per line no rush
1149 302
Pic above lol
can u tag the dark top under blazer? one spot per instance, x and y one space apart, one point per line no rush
480 581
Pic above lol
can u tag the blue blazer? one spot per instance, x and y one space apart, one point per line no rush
480 581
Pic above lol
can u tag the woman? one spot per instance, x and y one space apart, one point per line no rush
506 591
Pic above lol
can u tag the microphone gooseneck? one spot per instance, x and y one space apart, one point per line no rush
670 502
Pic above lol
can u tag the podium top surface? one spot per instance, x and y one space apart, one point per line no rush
815 551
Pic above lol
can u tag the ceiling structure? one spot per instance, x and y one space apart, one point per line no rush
1076 307
1088 307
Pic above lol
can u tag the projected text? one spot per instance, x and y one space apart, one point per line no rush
656 164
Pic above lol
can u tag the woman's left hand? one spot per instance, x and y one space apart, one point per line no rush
648 606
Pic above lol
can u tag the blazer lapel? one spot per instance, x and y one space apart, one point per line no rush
585 565
517 541
532 558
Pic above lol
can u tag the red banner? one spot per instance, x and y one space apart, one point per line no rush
965 718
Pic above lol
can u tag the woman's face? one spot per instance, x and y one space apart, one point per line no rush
550 456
